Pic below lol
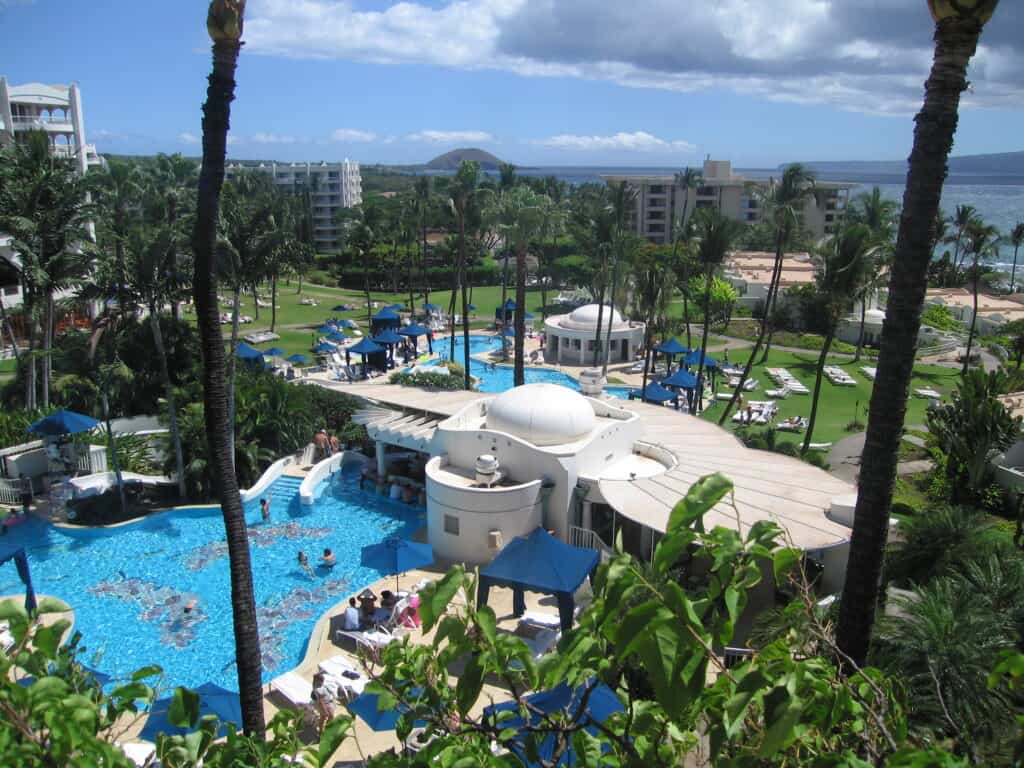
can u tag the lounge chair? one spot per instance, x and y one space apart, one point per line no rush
371 640
297 690
141 753
820 446
345 675
541 619
7 641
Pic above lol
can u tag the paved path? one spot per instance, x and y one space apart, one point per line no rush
844 458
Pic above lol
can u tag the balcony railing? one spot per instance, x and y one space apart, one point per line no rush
38 121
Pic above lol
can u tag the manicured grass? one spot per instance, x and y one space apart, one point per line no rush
8 366
837 406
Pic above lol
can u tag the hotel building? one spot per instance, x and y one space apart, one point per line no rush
660 200
330 186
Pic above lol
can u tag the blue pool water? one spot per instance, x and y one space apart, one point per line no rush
501 378
128 584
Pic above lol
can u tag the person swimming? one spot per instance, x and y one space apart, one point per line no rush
265 509
328 559
304 563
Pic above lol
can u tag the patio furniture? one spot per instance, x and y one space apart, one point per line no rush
295 689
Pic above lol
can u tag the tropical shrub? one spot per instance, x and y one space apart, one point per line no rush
940 317
937 540
427 380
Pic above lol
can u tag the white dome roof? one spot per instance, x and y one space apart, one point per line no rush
543 414
585 318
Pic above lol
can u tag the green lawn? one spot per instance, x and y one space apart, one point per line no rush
8 366
837 406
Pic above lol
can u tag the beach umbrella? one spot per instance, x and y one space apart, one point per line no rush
244 352
367 707
365 347
325 329
274 352
671 348
340 308
654 393
63 423
432 309
395 555
414 330
387 336
509 331
324 347
387 314
510 305
348 323
336 336
213 700
471 307
297 359
682 379
694 359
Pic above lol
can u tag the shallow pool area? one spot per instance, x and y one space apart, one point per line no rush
129 585
500 378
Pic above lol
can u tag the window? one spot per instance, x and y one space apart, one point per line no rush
656 215
656 227
751 216
576 343
705 203
10 290
705 191
451 525
656 189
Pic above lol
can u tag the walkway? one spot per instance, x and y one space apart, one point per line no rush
844 458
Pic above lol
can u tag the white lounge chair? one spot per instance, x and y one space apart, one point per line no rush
345 675
370 640
297 690
141 753
541 619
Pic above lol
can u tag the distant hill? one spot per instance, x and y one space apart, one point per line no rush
450 161
996 164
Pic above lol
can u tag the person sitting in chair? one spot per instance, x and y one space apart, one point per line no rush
350 621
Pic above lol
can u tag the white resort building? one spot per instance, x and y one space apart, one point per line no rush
330 186
660 200
571 338
588 469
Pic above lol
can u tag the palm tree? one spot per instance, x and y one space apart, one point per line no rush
622 202
527 210
653 282
877 212
783 202
506 182
463 189
714 235
1016 239
961 220
981 240
552 219
843 263
873 283
957 29
224 24
423 196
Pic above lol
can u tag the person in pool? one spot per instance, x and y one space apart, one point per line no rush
265 509
327 559
304 563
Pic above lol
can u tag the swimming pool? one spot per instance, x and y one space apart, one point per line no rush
499 379
128 585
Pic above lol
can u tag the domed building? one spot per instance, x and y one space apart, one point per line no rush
571 338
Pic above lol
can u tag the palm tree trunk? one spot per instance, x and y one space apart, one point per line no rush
216 113
172 411
647 359
519 374
974 321
817 387
465 305
773 292
504 298
232 365
5 325
273 302
611 318
47 347
1013 271
423 265
256 299
33 336
955 43
860 334
114 458
411 261
699 393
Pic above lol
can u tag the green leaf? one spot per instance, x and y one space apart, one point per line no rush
782 713
334 733
51 605
13 610
488 623
467 690
150 671
46 640
434 598
783 563
184 709
48 688
701 497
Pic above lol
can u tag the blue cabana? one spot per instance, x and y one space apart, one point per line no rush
325 329
694 359
213 700
601 703
655 393
539 563
386 318
274 352
297 359
387 336
323 347
681 379
20 558
62 423
671 348
414 331
432 309
506 313
244 352
365 347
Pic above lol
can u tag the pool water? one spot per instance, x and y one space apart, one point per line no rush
128 585
501 378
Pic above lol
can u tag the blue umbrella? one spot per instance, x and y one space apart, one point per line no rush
336 336
325 329
414 330
213 700
388 336
365 347
471 307
396 307
395 555
432 308
274 352
297 359
671 348
244 352
387 314
694 359
367 706
347 323
654 393
101 678
509 331
682 379
63 423
340 308
323 347
601 704
529 316
510 305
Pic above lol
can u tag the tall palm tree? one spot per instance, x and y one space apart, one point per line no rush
552 219
224 24
783 202
463 190
873 283
653 283
423 197
1016 239
506 183
527 208
957 29
982 239
843 263
714 235
622 200
961 220
877 212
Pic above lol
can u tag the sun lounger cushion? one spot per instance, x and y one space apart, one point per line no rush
297 690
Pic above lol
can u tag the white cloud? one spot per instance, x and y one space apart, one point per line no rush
272 138
188 138
451 137
352 134
637 141
870 57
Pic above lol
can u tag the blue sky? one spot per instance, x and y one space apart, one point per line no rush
537 82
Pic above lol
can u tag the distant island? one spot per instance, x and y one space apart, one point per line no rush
450 161
996 164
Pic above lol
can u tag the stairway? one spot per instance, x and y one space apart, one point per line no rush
283 492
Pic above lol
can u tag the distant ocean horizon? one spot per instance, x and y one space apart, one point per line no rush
999 199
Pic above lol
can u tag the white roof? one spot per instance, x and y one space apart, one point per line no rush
38 93
585 318
542 414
